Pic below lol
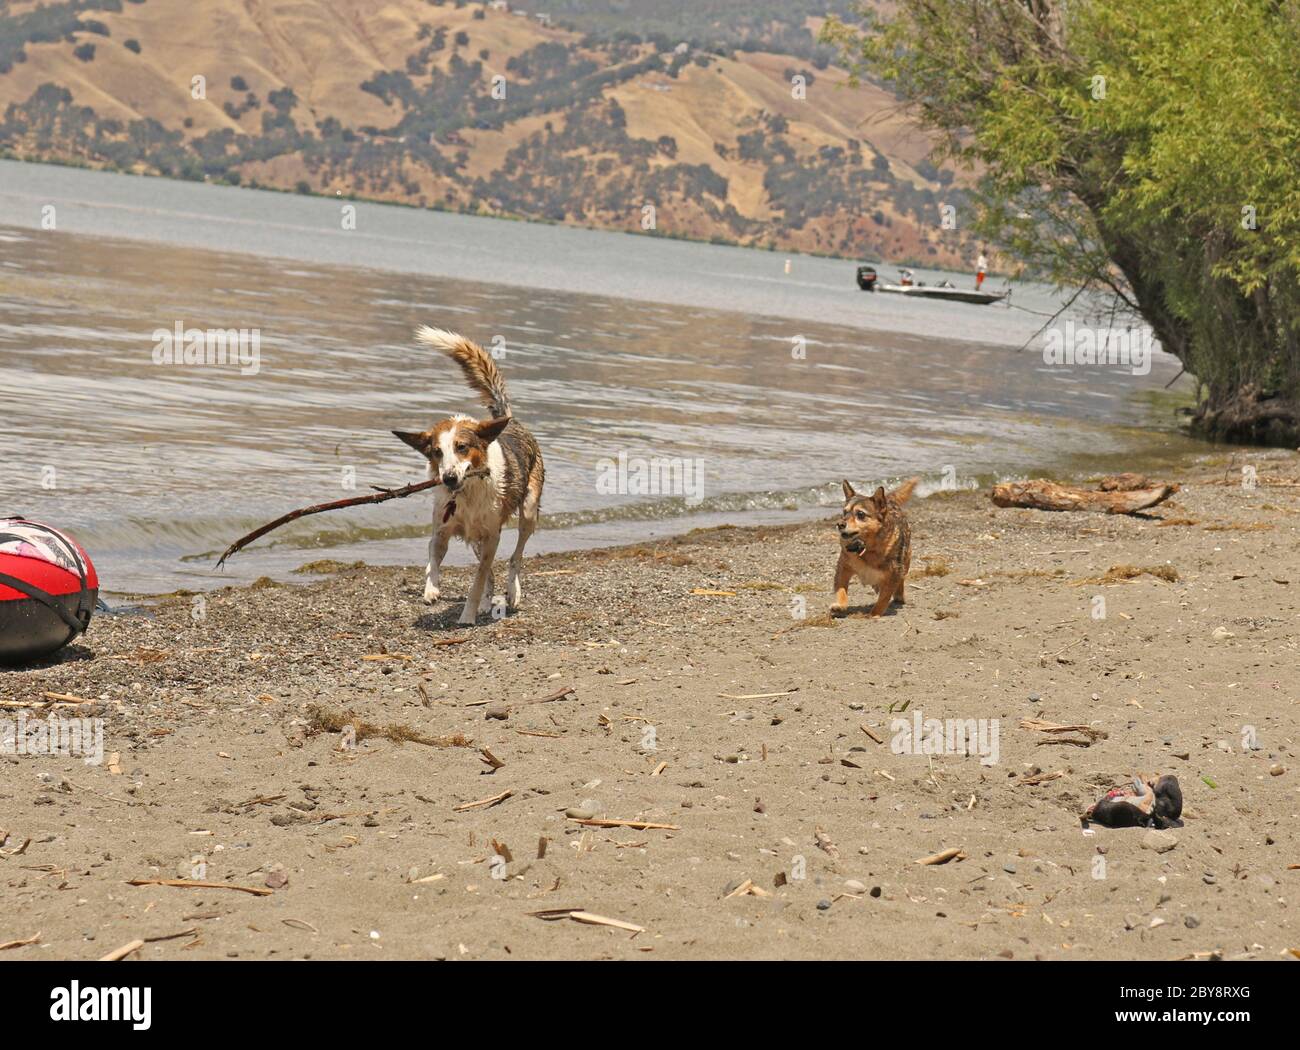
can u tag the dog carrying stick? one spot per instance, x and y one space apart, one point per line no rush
379 497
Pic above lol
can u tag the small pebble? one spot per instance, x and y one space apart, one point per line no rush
1160 841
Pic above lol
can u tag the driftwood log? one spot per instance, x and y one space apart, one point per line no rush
1116 496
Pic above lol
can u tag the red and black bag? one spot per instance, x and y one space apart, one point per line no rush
48 589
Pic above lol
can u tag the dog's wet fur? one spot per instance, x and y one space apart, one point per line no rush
491 470
875 546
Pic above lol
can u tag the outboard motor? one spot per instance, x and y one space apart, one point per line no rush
867 278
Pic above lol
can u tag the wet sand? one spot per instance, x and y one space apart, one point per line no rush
755 727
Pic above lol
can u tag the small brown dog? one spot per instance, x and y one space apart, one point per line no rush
875 545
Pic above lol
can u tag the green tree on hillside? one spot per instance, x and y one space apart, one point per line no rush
1151 150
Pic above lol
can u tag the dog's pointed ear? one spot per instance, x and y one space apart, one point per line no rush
848 490
489 430
419 442
878 499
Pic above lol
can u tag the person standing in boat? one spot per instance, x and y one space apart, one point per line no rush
981 267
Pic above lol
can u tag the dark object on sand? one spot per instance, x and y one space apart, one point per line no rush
1141 804
379 497
1042 494
48 589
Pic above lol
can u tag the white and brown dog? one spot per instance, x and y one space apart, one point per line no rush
491 470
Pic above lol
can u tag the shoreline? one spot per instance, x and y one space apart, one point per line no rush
291 565
708 693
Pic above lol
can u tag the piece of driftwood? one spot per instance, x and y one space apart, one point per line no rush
944 856
194 884
589 918
122 952
635 825
494 800
1039 726
381 496
1126 482
1041 494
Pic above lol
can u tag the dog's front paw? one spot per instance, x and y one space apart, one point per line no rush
467 616
839 610
514 594
431 593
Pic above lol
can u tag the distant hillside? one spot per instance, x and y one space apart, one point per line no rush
589 124
779 26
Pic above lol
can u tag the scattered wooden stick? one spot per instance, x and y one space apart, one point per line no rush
492 801
171 936
381 496
747 889
559 694
34 938
56 701
635 825
944 856
192 884
122 952
871 734
324 720
1041 494
825 844
1039 726
578 915
756 696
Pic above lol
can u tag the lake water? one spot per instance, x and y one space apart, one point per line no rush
776 384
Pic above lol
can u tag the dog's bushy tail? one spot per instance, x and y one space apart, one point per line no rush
904 491
476 363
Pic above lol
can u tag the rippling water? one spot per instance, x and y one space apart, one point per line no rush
156 467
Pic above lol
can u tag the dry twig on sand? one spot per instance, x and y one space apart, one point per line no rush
192 884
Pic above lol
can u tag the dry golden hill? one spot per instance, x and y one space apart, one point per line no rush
475 108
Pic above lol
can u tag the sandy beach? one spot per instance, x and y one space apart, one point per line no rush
698 686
